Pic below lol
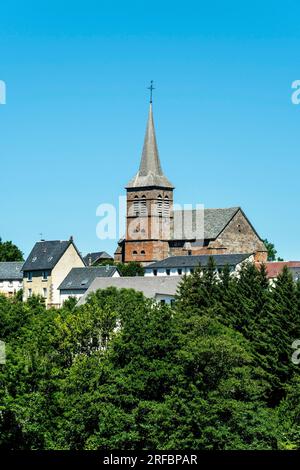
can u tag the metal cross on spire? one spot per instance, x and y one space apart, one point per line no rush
151 88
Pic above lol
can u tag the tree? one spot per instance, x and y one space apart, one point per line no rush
272 252
133 268
10 252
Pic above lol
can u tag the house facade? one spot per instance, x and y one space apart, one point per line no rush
155 230
180 265
11 277
162 289
79 280
47 266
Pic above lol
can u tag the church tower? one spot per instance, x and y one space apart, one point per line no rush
149 218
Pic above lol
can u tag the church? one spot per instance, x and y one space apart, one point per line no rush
155 230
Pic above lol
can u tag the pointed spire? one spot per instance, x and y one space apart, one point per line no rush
150 172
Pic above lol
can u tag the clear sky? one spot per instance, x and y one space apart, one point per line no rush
72 129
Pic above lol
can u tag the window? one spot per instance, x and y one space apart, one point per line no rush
190 252
155 272
29 276
136 206
142 253
29 292
179 271
134 252
166 206
45 275
191 270
143 206
159 205
45 292
162 301
168 272
172 302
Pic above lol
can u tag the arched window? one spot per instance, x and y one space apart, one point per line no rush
142 253
143 205
134 252
159 205
136 208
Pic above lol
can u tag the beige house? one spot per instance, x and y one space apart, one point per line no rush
47 266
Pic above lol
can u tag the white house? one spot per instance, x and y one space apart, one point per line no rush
11 277
78 280
180 265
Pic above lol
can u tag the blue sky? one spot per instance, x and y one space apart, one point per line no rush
72 130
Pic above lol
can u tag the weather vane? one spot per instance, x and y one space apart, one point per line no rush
151 88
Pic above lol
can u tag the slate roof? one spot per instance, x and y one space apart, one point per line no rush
11 270
150 172
81 278
150 286
96 256
194 261
45 255
200 224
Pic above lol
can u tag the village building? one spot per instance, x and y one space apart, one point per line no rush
161 289
179 265
79 280
47 266
11 277
155 230
96 258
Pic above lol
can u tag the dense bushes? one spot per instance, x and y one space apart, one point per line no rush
213 372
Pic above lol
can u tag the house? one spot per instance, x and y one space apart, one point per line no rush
274 268
47 266
94 259
163 289
155 230
11 277
179 265
79 280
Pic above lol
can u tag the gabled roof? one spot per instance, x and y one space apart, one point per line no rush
200 224
194 261
150 173
46 254
94 257
81 278
11 270
150 286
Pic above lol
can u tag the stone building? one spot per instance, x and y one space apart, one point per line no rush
155 230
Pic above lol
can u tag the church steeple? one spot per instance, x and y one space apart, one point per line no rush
150 173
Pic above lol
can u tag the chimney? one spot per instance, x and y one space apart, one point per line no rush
71 238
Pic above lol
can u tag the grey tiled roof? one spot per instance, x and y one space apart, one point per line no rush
45 255
81 278
96 256
194 261
150 172
150 286
201 224
11 270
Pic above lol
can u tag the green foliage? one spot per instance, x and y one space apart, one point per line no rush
10 252
272 252
133 268
123 372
